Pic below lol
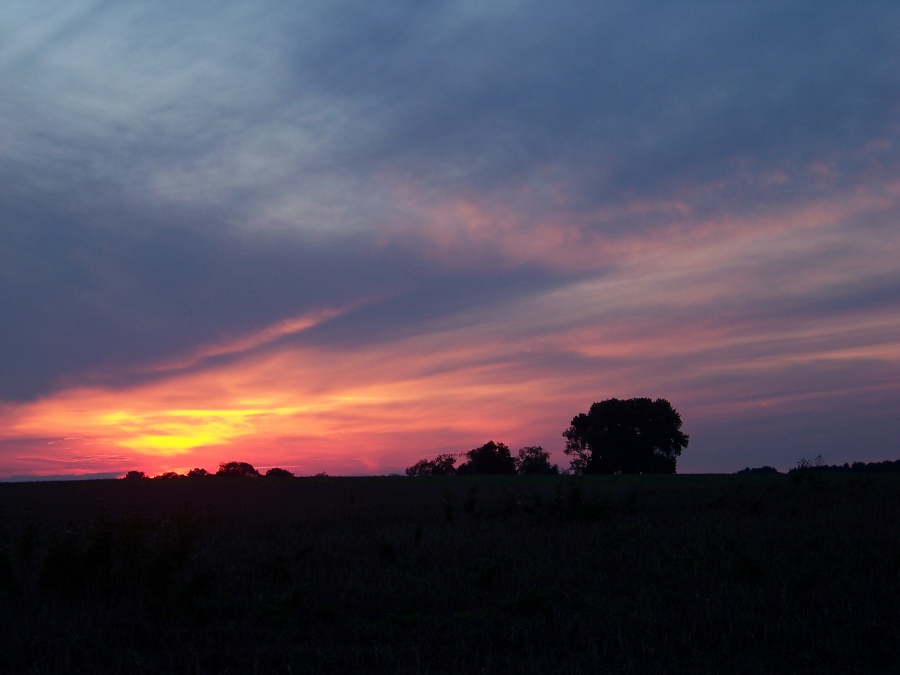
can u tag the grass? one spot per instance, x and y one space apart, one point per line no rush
452 575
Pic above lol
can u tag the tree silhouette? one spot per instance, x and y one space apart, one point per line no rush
535 461
631 436
241 469
197 473
886 466
275 472
490 458
135 475
442 465
760 469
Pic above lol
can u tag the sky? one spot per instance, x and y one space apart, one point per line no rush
346 236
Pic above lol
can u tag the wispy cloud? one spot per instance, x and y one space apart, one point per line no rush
242 344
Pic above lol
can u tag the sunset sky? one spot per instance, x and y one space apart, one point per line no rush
344 237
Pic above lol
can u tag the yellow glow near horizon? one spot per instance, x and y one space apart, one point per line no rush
170 445
172 432
288 405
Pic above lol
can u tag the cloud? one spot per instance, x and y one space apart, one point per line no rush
446 202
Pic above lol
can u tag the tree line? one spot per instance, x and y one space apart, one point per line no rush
226 469
818 466
632 436
489 459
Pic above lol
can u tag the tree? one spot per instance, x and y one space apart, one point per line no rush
630 436
442 465
242 469
535 461
168 475
197 473
761 469
135 475
490 458
275 472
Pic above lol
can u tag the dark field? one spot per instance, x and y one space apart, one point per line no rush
696 574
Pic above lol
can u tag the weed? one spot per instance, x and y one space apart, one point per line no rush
512 502
485 572
470 504
568 575
575 499
447 503
633 502
531 603
386 550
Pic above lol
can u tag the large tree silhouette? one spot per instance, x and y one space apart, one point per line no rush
241 469
631 436
490 458
535 461
278 472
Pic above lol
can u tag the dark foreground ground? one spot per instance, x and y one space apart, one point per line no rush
696 574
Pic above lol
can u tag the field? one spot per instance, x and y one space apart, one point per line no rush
667 574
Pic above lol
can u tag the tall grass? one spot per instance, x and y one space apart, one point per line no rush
445 575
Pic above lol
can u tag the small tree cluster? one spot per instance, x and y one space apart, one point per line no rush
488 459
442 465
637 435
535 461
